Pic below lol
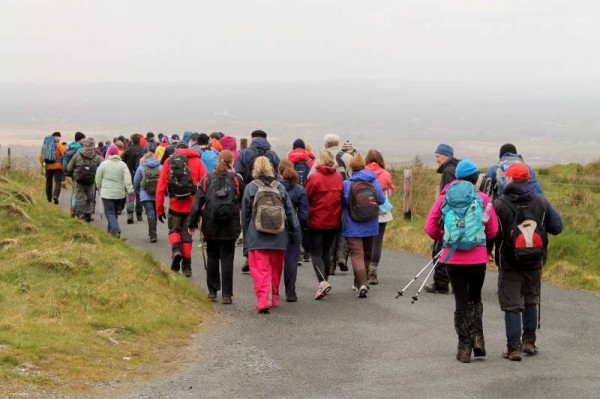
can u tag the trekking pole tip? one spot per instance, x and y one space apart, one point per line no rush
399 294
414 299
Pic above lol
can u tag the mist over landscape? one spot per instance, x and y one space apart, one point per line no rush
403 119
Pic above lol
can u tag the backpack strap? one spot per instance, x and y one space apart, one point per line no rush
258 182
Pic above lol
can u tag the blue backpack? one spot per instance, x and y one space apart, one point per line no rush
462 211
303 170
502 167
49 150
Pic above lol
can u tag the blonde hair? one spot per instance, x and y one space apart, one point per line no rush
326 158
262 166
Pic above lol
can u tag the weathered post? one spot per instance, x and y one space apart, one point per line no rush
243 143
407 194
8 164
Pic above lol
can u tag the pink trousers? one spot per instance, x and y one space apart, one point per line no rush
266 266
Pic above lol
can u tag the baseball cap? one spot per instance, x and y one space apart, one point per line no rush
518 171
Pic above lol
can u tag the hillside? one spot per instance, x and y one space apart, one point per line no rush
81 309
574 190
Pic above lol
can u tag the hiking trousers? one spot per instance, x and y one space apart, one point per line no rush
57 177
321 241
112 207
467 282
360 255
85 200
266 266
378 245
220 253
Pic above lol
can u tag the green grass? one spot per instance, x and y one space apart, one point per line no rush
574 190
80 307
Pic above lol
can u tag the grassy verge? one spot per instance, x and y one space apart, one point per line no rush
574 259
81 308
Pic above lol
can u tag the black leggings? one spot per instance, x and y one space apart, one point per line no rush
467 281
321 241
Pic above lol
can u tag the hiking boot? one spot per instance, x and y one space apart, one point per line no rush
332 271
342 265
246 268
226 300
461 325
130 218
362 291
306 257
152 230
55 200
529 346
176 259
476 328
266 310
434 289
299 262
186 267
291 298
322 290
139 217
513 352
373 275
212 296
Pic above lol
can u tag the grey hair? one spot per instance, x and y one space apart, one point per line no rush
331 140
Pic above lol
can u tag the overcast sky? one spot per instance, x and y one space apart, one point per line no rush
58 41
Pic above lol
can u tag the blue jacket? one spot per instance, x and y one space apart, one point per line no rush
299 199
352 228
533 182
254 239
210 157
139 174
246 158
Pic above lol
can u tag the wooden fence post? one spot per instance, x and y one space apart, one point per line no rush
8 165
407 194
243 144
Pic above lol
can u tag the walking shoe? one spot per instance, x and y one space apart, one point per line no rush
332 271
322 290
212 296
266 310
139 217
226 300
362 291
434 289
55 200
239 242
246 268
342 265
513 353
130 218
306 257
299 262
530 348
291 298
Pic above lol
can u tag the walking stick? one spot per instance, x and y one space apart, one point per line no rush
416 297
435 258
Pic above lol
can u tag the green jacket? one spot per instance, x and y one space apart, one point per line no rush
113 178
88 153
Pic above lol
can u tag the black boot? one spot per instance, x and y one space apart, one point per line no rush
186 267
176 257
152 230
139 217
476 327
130 218
461 325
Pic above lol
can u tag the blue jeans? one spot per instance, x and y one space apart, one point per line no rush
150 209
111 208
290 268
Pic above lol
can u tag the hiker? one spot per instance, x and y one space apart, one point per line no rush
508 155
361 198
114 183
170 149
150 138
464 251
209 156
300 160
217 202
73 148
375 163
229 143
160 150
269 223
324 190
245 165
120 146
145 181
179 178
51 159
444 158
131 157
343 158
83 167
288 177
526 219
215 141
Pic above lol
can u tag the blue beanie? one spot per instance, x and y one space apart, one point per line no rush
444 149
187 135
466 168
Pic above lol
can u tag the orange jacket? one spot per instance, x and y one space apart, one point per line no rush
58 165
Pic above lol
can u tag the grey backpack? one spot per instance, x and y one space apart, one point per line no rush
268 211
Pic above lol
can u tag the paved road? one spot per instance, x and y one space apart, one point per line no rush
379 347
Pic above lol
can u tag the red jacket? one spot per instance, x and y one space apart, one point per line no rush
300 155
175 204
324 190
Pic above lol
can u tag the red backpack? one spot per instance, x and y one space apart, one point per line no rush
363 201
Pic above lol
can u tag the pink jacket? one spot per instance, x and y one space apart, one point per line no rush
475 256
383 176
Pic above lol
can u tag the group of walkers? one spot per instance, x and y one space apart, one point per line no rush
323 208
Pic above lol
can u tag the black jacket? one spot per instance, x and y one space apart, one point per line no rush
448 172
520 193
132 156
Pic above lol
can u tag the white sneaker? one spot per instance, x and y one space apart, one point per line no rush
362 292
322 290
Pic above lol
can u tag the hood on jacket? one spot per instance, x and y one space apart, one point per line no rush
188 152
451 161
88 152
298 155
326 170
260 143
75 145
151 162
364 175
114 158
511 155
187 135
519 192
228 143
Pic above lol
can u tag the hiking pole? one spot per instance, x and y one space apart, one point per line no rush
418 274
416 296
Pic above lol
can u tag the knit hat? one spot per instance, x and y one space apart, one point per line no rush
506 149
56 134
258 133
89 142
175 137
298 143
518 171
444 149
79 136
466 168
187 135
112 150
347 146
181 144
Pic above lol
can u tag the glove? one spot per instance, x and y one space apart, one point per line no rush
161 218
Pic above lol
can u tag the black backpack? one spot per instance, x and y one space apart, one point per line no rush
85 171
363 202
526 237
258 152
180 183
303 170
221 193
